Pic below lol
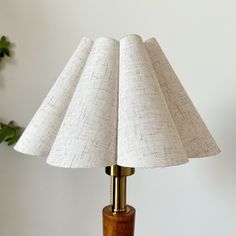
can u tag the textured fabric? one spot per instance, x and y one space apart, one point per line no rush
117 103
194 134
40 134
146 133
87 137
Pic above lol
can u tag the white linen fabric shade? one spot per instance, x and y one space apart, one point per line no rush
117 103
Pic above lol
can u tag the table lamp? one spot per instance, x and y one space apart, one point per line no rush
118 105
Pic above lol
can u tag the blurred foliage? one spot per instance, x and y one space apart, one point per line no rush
10 132
4 47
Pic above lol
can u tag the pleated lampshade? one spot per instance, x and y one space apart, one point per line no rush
117 103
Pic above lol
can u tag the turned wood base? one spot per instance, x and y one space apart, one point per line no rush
118 224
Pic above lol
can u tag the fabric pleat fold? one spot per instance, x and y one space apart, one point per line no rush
87 137
147 136
196 139
40 134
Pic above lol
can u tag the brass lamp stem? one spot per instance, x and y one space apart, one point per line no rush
119 174
119 194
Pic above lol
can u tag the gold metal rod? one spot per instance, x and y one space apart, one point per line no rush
119 194
119 174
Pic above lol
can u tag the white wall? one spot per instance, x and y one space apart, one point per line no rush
199 38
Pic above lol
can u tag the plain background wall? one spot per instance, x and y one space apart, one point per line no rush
199 38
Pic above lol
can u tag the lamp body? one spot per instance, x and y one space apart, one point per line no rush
118 224
121 106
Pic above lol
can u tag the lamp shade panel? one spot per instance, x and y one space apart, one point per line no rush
40 134
147 136
87 136
196 139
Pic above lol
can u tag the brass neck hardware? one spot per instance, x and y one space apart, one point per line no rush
119 174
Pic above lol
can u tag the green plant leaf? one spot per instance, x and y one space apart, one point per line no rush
2 135
4 47
10 132
14 139
5 133
3 125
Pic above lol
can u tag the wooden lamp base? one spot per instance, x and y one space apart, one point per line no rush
118 224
